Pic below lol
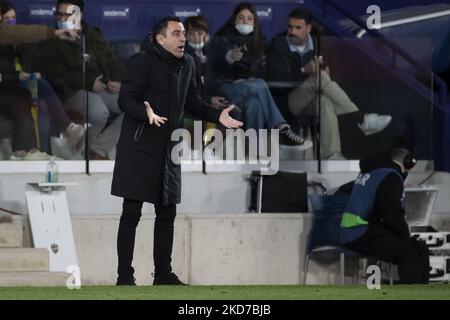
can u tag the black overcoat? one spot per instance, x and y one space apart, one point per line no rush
144 169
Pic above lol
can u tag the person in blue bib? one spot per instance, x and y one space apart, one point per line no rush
374 223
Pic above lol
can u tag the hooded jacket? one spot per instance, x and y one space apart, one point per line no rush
144 169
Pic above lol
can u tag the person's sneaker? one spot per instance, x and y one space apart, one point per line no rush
167 279
290 138
374 123
126 281
337 156
75 133
17 155
33 155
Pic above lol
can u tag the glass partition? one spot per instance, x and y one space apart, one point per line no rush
373 91
388 77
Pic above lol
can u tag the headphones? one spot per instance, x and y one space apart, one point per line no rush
410 160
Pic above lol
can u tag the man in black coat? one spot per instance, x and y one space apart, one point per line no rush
158 84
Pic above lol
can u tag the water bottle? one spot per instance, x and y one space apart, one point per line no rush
51 172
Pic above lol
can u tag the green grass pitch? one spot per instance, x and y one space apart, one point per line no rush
387 292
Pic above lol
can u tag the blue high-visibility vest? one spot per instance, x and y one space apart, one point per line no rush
354 220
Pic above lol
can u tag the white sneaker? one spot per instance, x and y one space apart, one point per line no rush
34 155
374 123
337 156
75 133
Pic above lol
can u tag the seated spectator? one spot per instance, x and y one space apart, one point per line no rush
286 62
102 79
21 64
197 37
15 104
15 34
237 62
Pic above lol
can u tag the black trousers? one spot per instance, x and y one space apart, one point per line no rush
15 105
162 239
410 256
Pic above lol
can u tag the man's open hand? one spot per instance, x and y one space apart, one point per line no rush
152 117
228 121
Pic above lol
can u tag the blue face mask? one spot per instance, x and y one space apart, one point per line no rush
244 29
196 46
11 21
66 25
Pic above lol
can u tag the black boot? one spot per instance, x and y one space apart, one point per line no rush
125 281
167 279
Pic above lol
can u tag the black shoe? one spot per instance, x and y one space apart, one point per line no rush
167 279
126 281
290 138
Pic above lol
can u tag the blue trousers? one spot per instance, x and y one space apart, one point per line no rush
255 100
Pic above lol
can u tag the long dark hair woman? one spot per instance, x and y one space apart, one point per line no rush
237 62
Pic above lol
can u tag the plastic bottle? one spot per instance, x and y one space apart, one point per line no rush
51 171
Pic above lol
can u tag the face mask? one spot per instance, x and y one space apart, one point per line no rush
11 21
244 28
196 46
67 25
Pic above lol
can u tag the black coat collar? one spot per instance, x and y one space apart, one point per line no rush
162 53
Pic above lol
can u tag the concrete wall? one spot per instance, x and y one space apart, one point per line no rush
231 249
214 193
234 249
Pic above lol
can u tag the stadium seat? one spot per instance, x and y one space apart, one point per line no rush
324 236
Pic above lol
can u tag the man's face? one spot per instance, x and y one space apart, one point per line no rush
173 39
298 31
65 12
197 36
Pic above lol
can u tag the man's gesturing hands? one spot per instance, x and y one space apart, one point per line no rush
224 119
152 117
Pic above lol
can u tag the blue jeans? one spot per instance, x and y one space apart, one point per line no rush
44 125
54 104
254 98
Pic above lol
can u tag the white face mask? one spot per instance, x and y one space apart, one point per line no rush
244 28
196 46
67 25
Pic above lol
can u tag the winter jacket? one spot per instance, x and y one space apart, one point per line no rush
144 169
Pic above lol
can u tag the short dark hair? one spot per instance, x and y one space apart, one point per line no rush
6 6
301 14
402 151
79 3
196 22
161 26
